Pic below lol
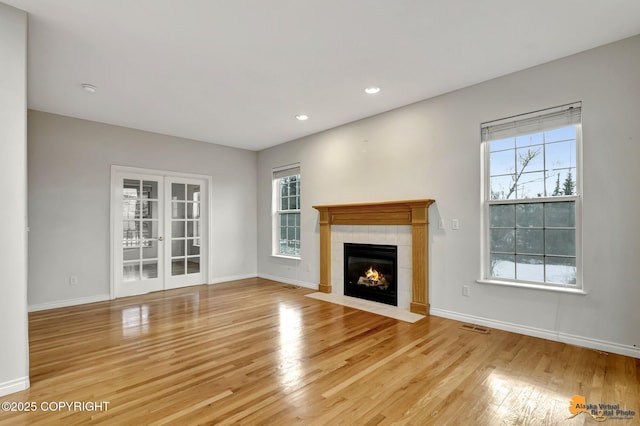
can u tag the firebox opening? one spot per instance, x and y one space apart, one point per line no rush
370 272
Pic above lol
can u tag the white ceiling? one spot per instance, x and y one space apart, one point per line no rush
236 72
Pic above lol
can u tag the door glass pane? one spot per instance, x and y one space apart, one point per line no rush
177 248
177 229
192 248
150 189
131 254
177 210
193 265
150 229
193 192
130 233
131 271
137 209
149 209
150 250
177 267
193 210
177 191
130 208
131 188
193 229
149 270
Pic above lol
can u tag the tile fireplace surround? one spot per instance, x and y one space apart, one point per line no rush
409 212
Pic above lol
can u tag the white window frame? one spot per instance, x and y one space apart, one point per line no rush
277 211
522 121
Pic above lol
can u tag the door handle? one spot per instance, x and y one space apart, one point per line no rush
160 238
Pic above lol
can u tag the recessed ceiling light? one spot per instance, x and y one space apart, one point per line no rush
89 87
372 90
302 117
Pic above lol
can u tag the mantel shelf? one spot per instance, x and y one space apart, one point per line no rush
381 213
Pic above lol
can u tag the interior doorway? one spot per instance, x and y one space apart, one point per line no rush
159 230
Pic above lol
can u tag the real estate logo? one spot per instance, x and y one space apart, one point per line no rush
599 412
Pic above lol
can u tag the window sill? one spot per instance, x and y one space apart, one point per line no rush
284 256
578 291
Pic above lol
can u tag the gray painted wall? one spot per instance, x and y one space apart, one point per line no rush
431 149
427 150
69 194
14 355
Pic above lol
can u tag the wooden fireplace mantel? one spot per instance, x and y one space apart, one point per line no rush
407 212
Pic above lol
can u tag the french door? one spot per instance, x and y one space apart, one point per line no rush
159 232
183 250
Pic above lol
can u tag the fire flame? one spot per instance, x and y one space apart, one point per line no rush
373 275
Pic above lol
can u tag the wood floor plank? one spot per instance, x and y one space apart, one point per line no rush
258 352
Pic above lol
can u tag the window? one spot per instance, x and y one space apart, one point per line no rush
286 211
532 198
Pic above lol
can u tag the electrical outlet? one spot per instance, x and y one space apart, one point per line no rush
73 280
441 224
466 291
455 224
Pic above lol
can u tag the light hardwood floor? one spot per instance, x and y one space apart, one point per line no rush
260 352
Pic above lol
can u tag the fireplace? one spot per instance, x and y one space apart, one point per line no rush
371 271
408 212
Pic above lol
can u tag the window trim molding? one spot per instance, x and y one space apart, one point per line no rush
284 256
534 286
486 202
276 174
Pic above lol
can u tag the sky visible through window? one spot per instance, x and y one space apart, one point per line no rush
535 165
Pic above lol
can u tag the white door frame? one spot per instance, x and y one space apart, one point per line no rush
206 215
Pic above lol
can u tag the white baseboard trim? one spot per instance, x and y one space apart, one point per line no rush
15 385
104 297
69 302
221 280
587 342
304 284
